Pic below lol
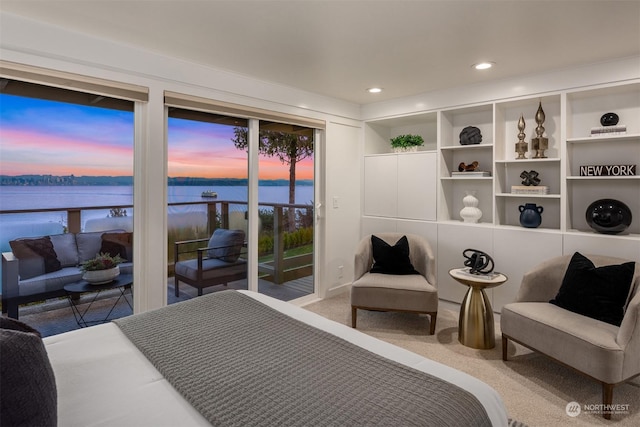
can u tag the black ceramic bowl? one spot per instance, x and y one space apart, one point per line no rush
608 216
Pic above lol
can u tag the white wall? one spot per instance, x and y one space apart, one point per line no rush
37 44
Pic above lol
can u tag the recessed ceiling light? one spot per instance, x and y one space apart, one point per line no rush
483 65
374 90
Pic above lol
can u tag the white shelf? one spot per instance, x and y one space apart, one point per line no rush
473 178
514 161
467 147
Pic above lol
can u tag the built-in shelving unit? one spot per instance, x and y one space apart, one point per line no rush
569 117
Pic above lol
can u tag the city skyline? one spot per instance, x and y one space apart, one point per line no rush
42 137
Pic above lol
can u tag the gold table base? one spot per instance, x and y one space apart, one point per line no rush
475 324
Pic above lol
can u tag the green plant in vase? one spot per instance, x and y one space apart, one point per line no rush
102 261
406 142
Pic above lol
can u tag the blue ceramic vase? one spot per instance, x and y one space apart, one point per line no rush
530 215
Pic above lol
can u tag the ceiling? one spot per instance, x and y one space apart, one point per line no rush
341 48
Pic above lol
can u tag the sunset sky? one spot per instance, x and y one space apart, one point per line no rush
43 137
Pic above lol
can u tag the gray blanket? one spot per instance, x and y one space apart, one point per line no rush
241 363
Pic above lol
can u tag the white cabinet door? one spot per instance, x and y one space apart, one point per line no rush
453 239
381 185
417 186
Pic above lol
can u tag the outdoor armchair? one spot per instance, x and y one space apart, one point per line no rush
216 264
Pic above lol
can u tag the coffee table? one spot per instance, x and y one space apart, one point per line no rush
475 325
73 290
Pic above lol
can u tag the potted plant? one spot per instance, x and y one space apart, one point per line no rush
103 268
403 143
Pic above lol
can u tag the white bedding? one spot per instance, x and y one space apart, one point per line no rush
103 380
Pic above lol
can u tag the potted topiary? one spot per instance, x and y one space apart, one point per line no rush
403 143
101 269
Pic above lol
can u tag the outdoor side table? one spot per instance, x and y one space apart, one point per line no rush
73 290
475 325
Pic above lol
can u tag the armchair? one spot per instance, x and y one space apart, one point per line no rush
413 293
605 352
216 264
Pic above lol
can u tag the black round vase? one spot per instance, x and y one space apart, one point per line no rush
608 216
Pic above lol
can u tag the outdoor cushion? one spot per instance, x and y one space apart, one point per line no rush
89 244
66 249
211 268
36 256
118 244
226 244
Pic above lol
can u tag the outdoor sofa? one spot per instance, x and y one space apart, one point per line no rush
38 268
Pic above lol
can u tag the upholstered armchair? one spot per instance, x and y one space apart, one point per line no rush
218 263
600 349
400 288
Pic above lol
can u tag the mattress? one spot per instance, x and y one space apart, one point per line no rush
104 380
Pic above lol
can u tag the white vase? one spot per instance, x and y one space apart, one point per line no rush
470 212
410 149
100 277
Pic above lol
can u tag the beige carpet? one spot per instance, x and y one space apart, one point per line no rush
535 390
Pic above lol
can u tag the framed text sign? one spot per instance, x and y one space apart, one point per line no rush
608 170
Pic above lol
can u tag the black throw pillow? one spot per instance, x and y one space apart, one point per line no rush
600 293
28 395
391 259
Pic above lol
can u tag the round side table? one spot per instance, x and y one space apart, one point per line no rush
475 325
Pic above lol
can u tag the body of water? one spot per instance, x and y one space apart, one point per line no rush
41 197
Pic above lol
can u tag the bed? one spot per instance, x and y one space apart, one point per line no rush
260 362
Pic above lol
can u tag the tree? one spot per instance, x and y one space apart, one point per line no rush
289 147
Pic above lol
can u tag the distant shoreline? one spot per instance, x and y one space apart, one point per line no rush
71 180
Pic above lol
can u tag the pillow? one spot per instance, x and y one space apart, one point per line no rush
118 244
391 259
36 256
600 293
226 244
28 395
66 248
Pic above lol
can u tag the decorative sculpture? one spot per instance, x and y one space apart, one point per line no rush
462 167
521 146
608 216
530 178
609 119
478 262
470 135
539 144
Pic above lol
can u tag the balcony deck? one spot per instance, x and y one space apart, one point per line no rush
55 316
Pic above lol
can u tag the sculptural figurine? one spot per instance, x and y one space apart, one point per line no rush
521 146
530 178
539 144
462 167
478 262
470 135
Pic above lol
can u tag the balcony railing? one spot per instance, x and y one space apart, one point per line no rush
219 213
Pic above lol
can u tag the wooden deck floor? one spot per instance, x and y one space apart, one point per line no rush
55 316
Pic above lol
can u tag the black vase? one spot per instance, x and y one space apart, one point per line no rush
608 216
